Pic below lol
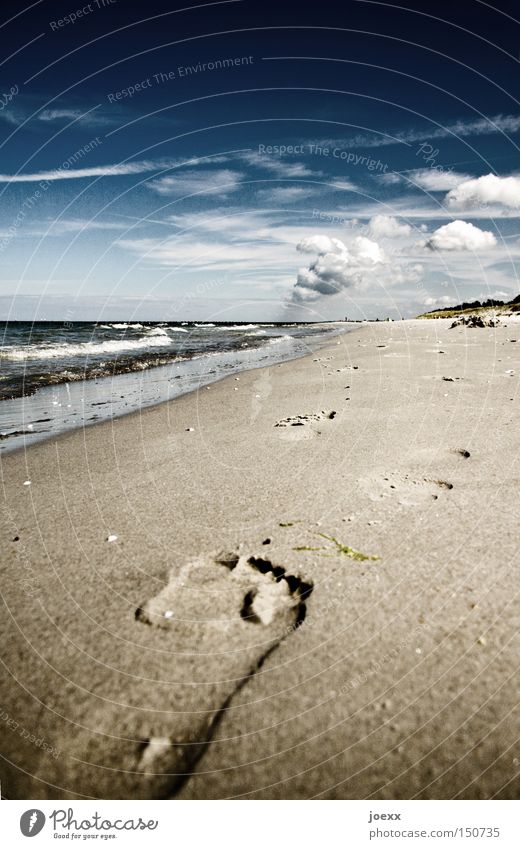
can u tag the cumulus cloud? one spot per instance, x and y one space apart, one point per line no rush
442 301
385 226
320 245
460 236
336 267
490 189
368 251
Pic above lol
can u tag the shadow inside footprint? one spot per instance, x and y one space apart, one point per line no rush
407 490
272 603
307 421
214 623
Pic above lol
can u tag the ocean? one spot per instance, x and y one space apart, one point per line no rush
56 376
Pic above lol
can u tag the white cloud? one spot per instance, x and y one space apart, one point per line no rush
460 236
490 189
385 226
436 180
59 114
60 227
64 173
277 164
87 117
337 266
412 207
442 301
284 194
225 240
11 117
191 182
365 250
498 295
91 117
320 245
226 222
360 265
191 254
344 185
430 179
462 129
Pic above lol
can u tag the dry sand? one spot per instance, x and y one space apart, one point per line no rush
145 667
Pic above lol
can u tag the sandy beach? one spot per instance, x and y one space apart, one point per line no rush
300 583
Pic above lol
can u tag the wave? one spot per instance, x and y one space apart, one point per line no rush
238 327
158 331
124 326
85 349
279 339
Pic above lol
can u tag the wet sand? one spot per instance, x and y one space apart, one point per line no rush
301 583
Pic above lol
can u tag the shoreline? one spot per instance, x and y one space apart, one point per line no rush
342 676
83 397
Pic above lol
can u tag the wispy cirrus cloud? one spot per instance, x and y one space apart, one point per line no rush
64 173
89 118
10 116
278 165
80 117
285 194
193 181
429 179
509 124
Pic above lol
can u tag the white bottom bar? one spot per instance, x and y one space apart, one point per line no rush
255 825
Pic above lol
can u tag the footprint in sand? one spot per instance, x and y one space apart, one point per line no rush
305 426
344 368
215 621
405 489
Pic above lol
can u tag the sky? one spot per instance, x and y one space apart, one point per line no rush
262 161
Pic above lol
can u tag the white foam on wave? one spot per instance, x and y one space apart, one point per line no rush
239 327
160 331
124 326
281 339
84 349
157 331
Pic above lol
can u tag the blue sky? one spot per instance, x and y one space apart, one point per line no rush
247 160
